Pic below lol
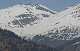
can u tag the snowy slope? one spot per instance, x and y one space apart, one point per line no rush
31 20
67 22
26 20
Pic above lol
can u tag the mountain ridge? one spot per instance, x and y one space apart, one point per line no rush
21 16
31 19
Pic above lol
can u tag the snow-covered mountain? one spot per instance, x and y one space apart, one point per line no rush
66 24
26 20
31 20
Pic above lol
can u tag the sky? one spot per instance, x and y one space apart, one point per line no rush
57 5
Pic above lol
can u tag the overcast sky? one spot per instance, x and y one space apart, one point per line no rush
52 4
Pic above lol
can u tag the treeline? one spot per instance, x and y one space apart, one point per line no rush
9 41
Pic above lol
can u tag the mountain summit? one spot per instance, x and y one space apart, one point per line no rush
30 20
26 20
